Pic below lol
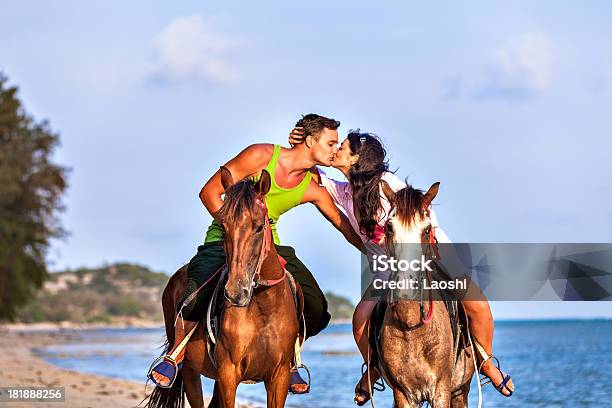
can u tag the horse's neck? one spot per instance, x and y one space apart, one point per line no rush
271 267
406 312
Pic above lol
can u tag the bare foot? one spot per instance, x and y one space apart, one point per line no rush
162 380
299 388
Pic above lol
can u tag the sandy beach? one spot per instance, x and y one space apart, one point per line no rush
20 367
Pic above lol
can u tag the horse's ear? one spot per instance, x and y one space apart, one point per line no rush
431 193
389 193
226 178
264 183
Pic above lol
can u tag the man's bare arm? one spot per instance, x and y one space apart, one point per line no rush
324 203
247 163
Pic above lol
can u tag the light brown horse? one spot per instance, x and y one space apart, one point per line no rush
258 326
418 357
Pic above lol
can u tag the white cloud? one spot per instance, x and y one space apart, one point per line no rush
517 70
523 66
527 62
194 47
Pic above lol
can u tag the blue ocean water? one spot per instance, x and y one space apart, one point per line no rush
553 363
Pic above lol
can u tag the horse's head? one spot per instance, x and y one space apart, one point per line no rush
247 233
409 221
408 233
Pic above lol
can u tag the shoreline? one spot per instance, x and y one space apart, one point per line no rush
52 326
127 324
21 366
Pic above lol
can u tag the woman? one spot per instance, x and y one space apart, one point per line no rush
362 159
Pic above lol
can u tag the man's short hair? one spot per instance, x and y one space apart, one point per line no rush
313 124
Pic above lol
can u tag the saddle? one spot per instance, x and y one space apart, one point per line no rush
215 310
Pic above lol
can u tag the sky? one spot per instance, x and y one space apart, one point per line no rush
507 104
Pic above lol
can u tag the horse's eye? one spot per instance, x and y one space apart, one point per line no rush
260 228
428 229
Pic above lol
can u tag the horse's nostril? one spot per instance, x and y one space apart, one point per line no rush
238 294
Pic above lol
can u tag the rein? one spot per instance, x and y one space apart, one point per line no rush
433 243
263 254
265 249
431 237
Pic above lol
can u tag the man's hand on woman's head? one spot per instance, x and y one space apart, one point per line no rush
296 136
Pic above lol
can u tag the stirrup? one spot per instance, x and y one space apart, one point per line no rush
169 361
169 368
295 369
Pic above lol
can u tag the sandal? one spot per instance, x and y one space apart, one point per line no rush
359 392
378 385
505 378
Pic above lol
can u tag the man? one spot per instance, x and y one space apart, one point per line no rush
292 185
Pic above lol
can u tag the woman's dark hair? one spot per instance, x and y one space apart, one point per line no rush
365 176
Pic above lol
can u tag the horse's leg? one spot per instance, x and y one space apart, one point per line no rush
460 400
215 401
193 387
459 396
400 400
227 384
278 387
442 395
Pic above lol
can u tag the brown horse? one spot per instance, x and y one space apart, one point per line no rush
418 357
258 326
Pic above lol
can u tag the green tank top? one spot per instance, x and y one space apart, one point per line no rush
279 200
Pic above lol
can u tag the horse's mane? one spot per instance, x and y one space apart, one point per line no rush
409 203
239 198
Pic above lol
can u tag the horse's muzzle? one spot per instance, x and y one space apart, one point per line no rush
239 293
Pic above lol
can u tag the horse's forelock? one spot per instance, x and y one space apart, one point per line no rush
239 199
409 203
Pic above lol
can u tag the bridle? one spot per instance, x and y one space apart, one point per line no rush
431 253
431 237
263 254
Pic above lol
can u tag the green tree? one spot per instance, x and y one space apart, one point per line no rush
31 187
340 307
